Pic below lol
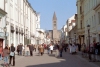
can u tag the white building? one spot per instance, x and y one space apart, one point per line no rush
40 36
40 33
20 22
71 29
64 33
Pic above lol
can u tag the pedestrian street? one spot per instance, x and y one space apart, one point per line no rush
46 60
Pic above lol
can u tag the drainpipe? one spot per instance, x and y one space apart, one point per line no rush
4 5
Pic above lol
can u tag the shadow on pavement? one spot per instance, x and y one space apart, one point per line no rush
38 55
57 64
52 55
60 63
2 64
68 60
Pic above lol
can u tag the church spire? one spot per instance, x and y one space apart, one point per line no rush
54 16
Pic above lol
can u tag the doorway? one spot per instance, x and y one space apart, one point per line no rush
1 45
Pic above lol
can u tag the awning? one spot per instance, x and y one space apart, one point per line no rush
2 13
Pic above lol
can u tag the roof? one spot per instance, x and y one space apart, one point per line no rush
54 16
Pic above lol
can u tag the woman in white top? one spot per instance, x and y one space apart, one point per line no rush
27 50
70 48
51 48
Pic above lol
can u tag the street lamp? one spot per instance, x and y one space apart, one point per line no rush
26 37
88 27
5 30
75 37
69 39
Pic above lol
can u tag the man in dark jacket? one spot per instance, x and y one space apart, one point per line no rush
12 54
31 47
20 49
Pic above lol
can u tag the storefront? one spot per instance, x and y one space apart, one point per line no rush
2 14
2 40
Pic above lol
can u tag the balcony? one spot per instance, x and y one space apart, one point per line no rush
81 31
82 14
32 35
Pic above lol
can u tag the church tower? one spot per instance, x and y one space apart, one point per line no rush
55 35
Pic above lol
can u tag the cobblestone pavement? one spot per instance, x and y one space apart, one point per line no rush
46 60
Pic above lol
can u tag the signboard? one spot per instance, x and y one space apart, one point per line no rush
2 34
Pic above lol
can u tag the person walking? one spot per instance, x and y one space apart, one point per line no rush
42 50
26 50
60 50
6 55
35 48
12 54
56 50
83 49
51 48
31 49
39 48
0 52
23 50
20 49
48 49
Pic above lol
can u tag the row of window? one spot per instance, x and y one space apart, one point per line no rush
88 5
12 38
95 19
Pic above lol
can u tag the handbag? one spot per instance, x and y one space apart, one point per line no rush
11 53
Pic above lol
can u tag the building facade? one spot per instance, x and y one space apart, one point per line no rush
88 14
40 33
80 22
71 29
64 34
56 33
20 22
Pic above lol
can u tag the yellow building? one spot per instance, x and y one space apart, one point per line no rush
80 21
88 14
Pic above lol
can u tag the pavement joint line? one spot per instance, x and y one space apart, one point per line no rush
19 58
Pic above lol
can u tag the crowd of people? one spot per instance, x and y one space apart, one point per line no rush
8 53
93 49
26 50
51 48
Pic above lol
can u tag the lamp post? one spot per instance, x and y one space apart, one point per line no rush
5 30
88 27
69 39
75 37
26 37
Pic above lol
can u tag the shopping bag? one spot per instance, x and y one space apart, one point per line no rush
11 53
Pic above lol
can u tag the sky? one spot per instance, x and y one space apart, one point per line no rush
64 9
